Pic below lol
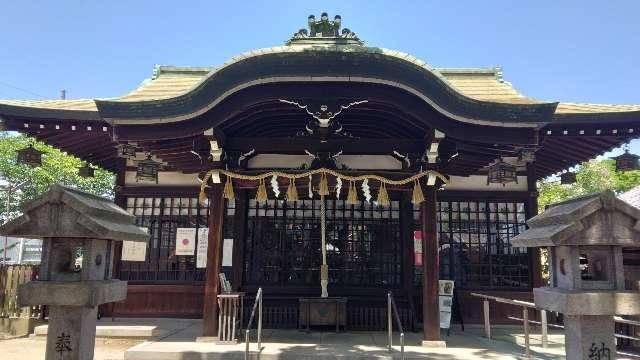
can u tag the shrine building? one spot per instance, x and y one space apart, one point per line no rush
326 167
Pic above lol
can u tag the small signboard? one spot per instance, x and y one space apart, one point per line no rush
203 241
227 252
417 248
134 251
445 302
185 241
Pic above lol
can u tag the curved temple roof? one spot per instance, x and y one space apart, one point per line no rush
484 85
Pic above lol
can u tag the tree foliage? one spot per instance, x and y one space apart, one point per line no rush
592 176
57 167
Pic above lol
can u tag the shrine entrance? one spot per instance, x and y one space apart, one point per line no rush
363 245
366 248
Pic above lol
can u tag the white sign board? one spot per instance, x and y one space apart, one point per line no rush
134 251
445 302
185 241
203 241
227 252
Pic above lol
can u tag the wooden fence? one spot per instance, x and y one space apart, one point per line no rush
11 276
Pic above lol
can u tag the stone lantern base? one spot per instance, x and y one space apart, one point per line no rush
589 337
72 332
73 309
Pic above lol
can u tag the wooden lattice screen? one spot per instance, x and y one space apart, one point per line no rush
11 276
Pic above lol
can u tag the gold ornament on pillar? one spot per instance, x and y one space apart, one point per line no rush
383 196
228 189
261 195
352 197
418 196
324 185
292 191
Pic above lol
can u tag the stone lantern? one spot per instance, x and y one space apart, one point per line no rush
73 225
585 237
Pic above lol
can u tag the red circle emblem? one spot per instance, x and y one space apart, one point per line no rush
185 241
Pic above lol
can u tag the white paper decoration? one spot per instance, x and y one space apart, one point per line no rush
366 190
338 187
274 185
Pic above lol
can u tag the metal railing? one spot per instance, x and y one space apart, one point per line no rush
525 318
257 304
544 325
391 308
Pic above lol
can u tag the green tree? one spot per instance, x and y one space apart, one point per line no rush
592 176
57 167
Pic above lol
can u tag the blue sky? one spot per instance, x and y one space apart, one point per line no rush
582 51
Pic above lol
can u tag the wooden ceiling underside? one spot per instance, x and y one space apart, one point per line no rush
375 128
559 153
89 141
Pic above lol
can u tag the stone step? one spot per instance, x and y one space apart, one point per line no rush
111 331
291 353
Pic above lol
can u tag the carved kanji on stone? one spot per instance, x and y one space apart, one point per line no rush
599 352
63 343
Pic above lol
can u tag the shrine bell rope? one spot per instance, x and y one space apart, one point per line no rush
292 193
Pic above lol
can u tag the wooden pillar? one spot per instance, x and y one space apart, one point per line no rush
239 231
531 210
431 271
120 200
214 262
406 243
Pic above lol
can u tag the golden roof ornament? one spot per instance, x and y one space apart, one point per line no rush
325 31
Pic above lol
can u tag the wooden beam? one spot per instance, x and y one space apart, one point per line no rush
70 140
106 154
170 151
347 145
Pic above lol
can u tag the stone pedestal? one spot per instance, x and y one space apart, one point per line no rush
434 344
589 337
73 308
71 333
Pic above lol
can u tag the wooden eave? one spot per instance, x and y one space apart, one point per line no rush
89 140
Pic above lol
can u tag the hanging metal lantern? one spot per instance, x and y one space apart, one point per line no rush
502 173
147 170
86 171
627 161
527 155
568 178
30 156
126 151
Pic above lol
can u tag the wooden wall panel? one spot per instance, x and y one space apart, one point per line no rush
186 301
161 301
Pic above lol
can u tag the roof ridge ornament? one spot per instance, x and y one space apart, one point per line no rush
325 31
